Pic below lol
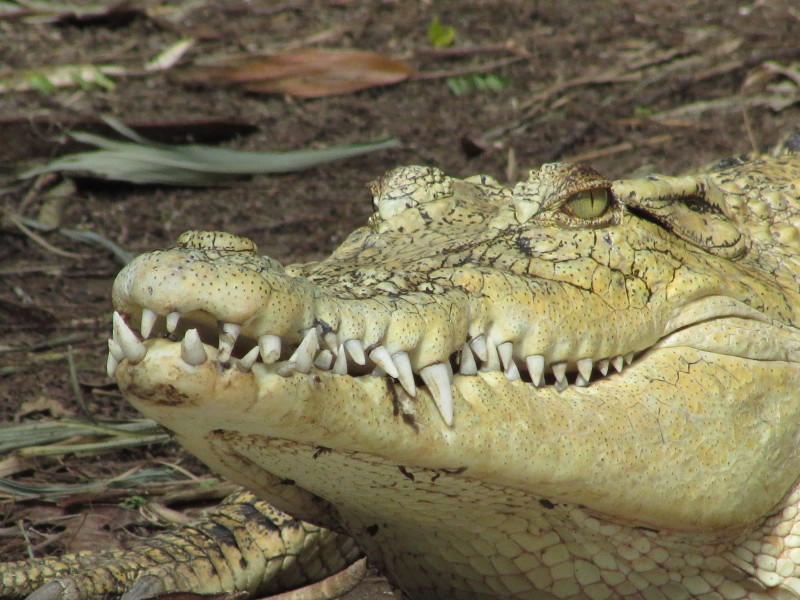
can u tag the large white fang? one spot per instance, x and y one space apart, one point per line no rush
340 365
111 365
405 374
303 357
585 368
478 344
172 321
227 339
324 360
467 365
512 372
356 351
134 349
192 351
506 352
629 358
437 378
535 364
270 348
248 360
602 366
560 373
115 350
618 362
331 340
381 357
148 320
492 362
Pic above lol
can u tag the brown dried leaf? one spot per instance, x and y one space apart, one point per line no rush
94 530
310 73
42 404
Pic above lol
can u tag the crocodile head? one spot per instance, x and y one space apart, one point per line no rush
500 390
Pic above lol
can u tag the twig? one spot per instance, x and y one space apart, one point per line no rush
76 387
28 545
793 75
79 235
40 182
732 66
617 149
424 76
465 51
538 102
605 78
747 127
17 221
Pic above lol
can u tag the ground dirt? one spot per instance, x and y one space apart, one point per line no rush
625 86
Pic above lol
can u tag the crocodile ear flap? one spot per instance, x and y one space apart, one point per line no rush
692 207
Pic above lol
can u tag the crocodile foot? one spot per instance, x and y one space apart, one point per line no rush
244 546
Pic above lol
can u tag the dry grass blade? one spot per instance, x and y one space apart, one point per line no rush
144 162
33 435
310 73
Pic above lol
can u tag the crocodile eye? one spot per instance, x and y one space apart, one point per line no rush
589 204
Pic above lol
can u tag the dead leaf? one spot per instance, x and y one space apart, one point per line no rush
42 404
310 73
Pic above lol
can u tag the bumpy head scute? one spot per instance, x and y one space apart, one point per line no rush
407 187
215 240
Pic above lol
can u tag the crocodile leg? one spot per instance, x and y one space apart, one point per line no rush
243 545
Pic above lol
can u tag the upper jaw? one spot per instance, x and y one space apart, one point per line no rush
629 444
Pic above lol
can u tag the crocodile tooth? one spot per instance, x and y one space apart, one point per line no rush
324 360
466 365
356 351
478 345
134 349
405 374
602 366
512 372
230 332
492 362
629 358
506 353
584 369
580 381
270 348
172 321
115 350
437 378
111 365
560 373
330 338
192 351
618 362
148 320
340 365
381 357
304 355
248 360
535 364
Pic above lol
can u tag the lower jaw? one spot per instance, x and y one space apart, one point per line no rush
650 443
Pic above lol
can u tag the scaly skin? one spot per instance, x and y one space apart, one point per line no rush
623 419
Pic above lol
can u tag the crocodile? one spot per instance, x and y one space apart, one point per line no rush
568 388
